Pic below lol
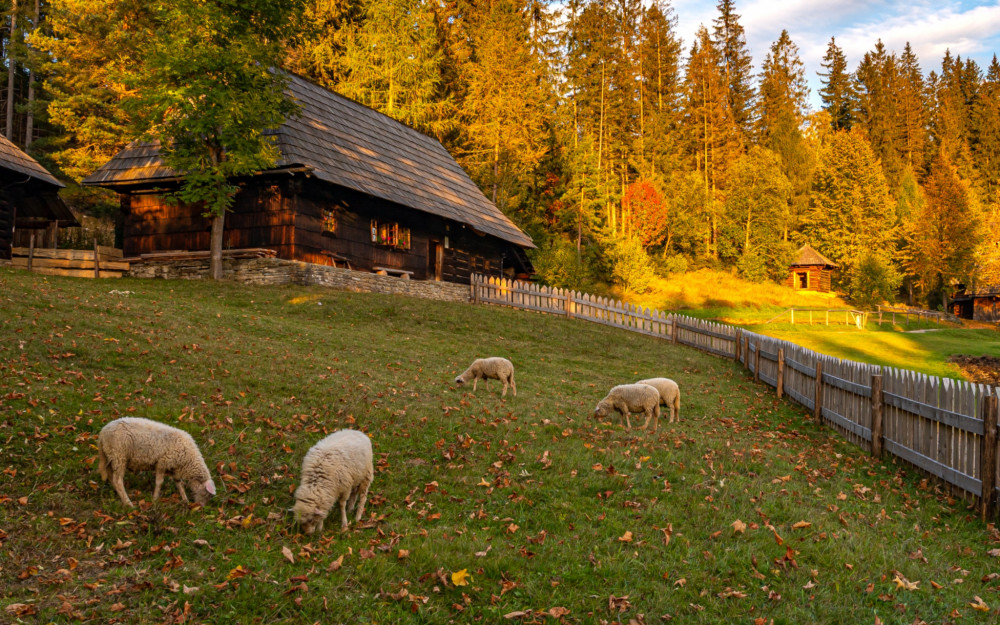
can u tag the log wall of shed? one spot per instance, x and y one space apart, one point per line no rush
986 308
819 278
6 229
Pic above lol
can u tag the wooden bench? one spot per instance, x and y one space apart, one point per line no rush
389 271
337 260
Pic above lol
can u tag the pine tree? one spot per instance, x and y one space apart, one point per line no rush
852 209
837 94
736 66
713 138
661 93
878 81
782 110
912 111
392 62
945 236
986 135
955 92
756 215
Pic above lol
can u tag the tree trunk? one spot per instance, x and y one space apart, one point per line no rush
11 69
215 264
30 124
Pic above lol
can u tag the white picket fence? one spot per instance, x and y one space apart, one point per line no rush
945 427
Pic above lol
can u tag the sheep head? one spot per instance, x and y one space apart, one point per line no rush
202 491
602 410
309 517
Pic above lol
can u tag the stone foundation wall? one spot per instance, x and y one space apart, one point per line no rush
273 271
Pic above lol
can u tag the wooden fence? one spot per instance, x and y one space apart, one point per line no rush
945 427
101 262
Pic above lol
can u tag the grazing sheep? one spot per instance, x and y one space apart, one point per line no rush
489 369
670 395
627 398
338 469
142 445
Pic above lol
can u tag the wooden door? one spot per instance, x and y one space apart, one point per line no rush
435 260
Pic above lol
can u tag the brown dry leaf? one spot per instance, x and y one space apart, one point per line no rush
979 604
513 528
516 614
73 563
482 554
21 609
336 564
739 527
994 552
681 582
118 607
403 554
905 584
801 525
558 612
285 551
189 590
23 501
431 487
626 537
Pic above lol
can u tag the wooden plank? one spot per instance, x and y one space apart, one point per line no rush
59 263
988 455
921 461
772 356
847 424
802 399
711 350
876 408
768 379
696 329
939 415
847 385
804 369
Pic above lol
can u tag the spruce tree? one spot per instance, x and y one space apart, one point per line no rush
660 64
912 111
878 81
837 94
736 66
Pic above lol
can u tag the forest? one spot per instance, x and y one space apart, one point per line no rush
625 148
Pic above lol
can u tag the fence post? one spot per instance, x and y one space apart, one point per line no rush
793 315
738 344
988 470
31 250
570 305
673 329
876 416
97 261
781 371
756 362
818 400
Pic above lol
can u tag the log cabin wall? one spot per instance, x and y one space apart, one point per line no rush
986 308
6 228
262 216
334 222
819 278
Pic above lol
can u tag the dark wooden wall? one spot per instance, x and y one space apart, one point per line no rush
286 215
819 278
6 228
262 216
986 308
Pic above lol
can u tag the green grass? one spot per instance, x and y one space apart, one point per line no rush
541 505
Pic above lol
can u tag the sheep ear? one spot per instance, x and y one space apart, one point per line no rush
210 487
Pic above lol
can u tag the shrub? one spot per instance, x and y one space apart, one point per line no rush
873 281
631 267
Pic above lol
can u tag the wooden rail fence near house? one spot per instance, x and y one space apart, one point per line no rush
101 262
946 428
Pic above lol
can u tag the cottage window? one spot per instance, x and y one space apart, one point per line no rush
803 279
329 221
391 235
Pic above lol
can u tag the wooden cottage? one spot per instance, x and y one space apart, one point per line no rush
981 304
352 188
811 271
29 202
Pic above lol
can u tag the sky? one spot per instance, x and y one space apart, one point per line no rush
969 28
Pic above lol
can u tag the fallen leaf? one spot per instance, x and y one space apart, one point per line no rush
285 551
516 614
801 525
558 612
403 554
739 527
979 604
905 584
21 609
238 572
188 590
994 552
461 578
681 582
431 487
336 564
626 537
482 554
118 607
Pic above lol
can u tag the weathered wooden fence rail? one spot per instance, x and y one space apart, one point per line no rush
945 427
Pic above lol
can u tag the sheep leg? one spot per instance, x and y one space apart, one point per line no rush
504 393
118 482
362 498
625 413
343 513
512 385
180 489
475 382
158 484
654 414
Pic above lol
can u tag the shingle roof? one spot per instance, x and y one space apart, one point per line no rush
13 158
808 256
351 145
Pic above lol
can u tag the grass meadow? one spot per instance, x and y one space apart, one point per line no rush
483 509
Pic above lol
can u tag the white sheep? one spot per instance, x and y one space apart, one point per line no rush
142 445
495 368
337 469
628 398
670 395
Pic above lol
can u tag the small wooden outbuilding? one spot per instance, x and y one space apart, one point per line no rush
352 188
29 202
982 304
811 271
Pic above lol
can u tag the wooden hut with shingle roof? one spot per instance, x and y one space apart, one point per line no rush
29 202
352 186
811 271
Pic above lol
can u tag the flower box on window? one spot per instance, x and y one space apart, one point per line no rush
390 235
328 221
